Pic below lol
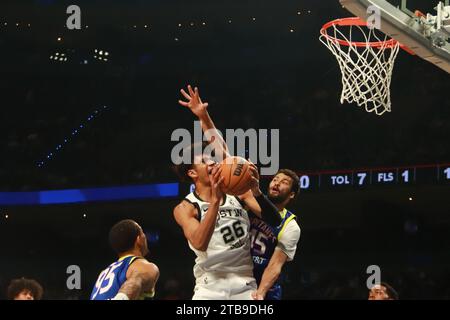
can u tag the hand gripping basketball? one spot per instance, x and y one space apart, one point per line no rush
237 176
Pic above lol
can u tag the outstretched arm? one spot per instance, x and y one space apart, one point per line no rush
271 274
285 251
258 203
254 199
198 108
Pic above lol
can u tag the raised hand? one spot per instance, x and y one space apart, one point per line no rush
194 102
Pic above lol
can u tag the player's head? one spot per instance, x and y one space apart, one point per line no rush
199 164
127 236
284 186
25 289
383 291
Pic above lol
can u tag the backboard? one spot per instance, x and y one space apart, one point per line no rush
427 34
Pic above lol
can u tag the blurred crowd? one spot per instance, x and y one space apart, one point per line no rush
410 284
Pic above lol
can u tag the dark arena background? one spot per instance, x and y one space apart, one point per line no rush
85 141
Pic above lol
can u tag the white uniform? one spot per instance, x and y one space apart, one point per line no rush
225 270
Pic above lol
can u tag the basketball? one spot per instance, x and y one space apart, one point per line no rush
236 176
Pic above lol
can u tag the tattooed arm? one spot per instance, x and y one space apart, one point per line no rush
141 280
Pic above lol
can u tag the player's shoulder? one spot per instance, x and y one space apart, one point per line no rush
291 229
185 207
293 224
143 265
289 217
185 204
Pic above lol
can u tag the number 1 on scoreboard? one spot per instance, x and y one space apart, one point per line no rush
405 176
447 173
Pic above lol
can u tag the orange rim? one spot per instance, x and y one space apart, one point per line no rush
355 21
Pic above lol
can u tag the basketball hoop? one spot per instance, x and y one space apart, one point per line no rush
366 63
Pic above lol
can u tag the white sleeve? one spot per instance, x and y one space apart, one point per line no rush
289 239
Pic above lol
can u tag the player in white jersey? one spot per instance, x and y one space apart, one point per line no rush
217 225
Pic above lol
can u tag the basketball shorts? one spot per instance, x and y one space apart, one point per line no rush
214 286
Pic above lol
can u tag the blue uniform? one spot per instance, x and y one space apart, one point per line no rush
264 241
111 279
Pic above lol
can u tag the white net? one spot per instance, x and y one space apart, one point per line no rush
366 65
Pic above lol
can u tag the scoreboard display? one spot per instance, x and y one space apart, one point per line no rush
364 178
361 178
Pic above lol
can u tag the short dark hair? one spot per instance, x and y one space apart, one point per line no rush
182 169
295 180
123 234
390 291
18 285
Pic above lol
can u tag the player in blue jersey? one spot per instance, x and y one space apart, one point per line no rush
131 277
273 246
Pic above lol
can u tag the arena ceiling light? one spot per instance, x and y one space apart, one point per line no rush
101 55
58 56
